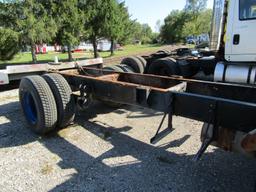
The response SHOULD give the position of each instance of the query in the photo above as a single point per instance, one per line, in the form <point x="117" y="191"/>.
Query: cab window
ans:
<point x="247" y="9"/>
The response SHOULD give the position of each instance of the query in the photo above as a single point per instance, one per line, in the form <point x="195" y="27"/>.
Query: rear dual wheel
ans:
<point x="120" y="68"/>
<point x="137" y="64"/>
<point x="38" y="104"/>
<point x="125" y="68"/>
<point x="163" y="51"/>
<point x="142" y="60"/>
<point x="114" y="68"/>
<point x="46" y="102"/>
<point x="164" y="67"/>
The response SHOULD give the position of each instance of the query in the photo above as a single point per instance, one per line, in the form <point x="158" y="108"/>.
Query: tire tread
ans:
<point x="63" y="96"/>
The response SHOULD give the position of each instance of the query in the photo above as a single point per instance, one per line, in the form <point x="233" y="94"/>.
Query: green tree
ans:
<point x="158" y="25"/>
<point x="194" y="19"/>
<point x="195" y="6"/>
<point x="69" y="20"/>
<point x="35" y="25"/>
<point x="142" y="33"/>
<point x="171" y="31"/>
<point x="118" y="25"/>
<point x="146" y="33"/>
<point x="113" y="25"/>
<point x="137" y="31"/>
<point x="199" y="25"/>
<point x="94" y="24"/>
<point x="9" y="43"/>
<point x="10" y="11"/>
<point x="155" y="38"/>
<point x="106" y="18"/>
<point x="198" y="17"/>
<point x="204" y="21"/>
<point x="128" y="32"/>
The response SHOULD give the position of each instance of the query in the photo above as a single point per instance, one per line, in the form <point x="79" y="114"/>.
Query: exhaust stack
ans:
<point x="217" y="27"/>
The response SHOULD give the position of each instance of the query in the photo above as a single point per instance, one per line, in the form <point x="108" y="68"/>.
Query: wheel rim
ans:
<point x="29" y="108"/>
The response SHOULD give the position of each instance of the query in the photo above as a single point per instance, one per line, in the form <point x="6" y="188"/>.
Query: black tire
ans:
<point x="113" y="68"/>
<point x="134" y="63"/>
<point x="38" y="104"/>
<point x="163" y="51"/>
<point x="64" y="99"/>
<point x="164" y="67"/>
<point x="183" y="51"/>
<point x="125" y="68"/>
<point x="143" y="61"/>
<point x="185" y="68"/>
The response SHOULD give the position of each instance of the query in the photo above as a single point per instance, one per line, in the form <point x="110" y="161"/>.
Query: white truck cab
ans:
<point x="233" y="37"/>
<point x="240" y="45"/>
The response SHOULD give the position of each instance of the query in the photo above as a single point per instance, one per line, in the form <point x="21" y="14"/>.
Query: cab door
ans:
<point x="242" y="36"/>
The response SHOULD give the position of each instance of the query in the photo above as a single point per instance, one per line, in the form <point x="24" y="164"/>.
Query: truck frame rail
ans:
<point x="215" y="103"/>
<point x="227" y="110"/>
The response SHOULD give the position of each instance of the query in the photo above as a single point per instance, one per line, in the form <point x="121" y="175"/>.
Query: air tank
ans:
<point x="242" y="74"/>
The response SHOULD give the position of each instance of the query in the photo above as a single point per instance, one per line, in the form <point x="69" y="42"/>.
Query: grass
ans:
<point x="127" y="50"/>
<point x="133" y="49"/>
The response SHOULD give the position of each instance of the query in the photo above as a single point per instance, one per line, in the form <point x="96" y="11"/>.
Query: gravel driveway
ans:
<point x="109" y="150"/>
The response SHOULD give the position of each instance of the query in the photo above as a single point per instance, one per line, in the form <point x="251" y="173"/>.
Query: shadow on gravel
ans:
<point x="12" y="85"/>
<point x="142" y="113"/>
<point x="151" y="169"/>
<point x="133" y="112"/>
<point x="154" y="169"/>
<point x="175" y="143"/>
<point x="12" y="131"/>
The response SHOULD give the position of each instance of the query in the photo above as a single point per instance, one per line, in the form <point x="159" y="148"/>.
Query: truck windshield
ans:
<point x="247" y="9"/>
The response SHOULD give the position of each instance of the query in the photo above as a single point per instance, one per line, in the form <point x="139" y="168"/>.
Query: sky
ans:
<point x="149" y="11"/>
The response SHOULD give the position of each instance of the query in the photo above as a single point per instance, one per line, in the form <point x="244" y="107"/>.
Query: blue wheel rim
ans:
<point x="29" y="108"/>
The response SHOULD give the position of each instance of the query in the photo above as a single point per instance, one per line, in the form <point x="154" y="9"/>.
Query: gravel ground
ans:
<point x="109" y="150"/>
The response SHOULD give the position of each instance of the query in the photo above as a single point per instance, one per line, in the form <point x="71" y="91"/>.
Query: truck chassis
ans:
<point x="221" y="106"/>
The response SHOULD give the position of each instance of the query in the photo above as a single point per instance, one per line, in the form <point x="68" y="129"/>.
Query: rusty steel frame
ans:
<point x="221" y="104"/>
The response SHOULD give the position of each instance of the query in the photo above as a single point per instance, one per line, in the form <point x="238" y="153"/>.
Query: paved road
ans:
<point x="109" y="150"/>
